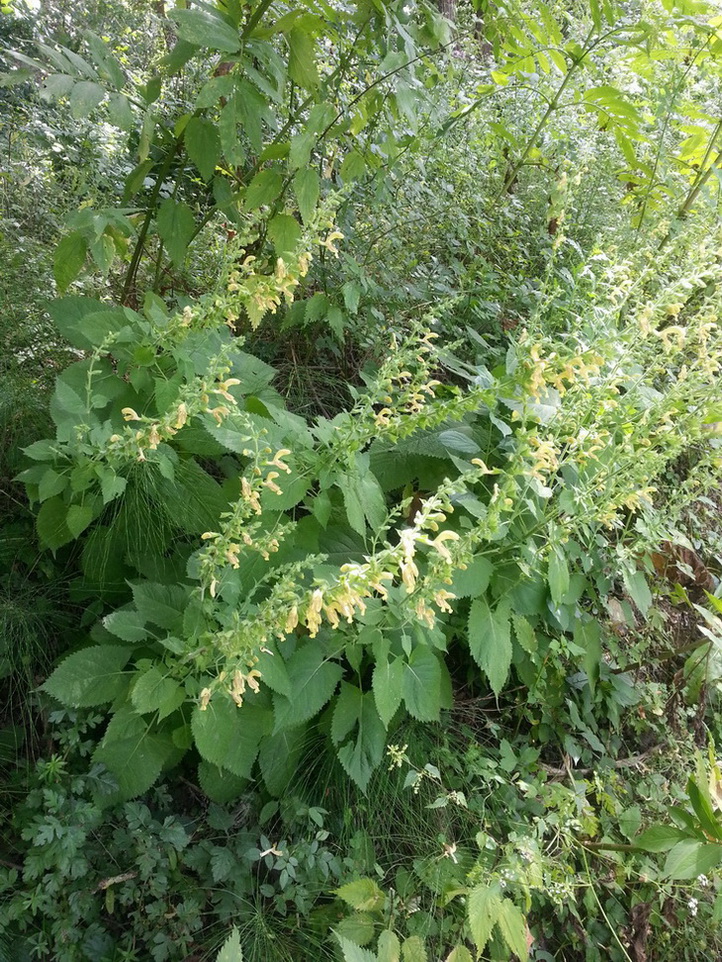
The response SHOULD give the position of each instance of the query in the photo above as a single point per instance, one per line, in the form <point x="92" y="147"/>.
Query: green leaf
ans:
<point x="204" y="29"/>
<point x="588" y="635"/>
<point x="558" y="575"/>
<point x="78" y="518"/>
<point x="51" y="524"/>
<point x="263" y="189"/>
<point x="353" y="166"/>
<point x="156" y="692"/>
<point x="231" y="951"/>
<point x="307" y="188"/>
<point x="690" y="858"/>
<point x="229" y="736"/>
<point x="175" y="225"/>
<point x="69" y="259"/>
<point x="120" y="112"/>
<point x="413" y="950"/>
<point x="512" y="926"/>
<point x="421" y="685"/>
<point x="133" y="753"/>
<point x="387" y="681"/>
<point x="362" y="754"/>
<point x="636" y="585"/>
<point x="280" y="756"/>
<point x="162" y="605"/>
<point x="483" y="906"/>
<point x="85" y="322"/>
<point x="363" y="894"/>
<point x="314" y="680"/>
<point x="51" y="484"/>
<point x="353" y="952"/>
<point x="490" y="641"/>
<point x="90" y="677"/>
<point x="127" y="624"/>
<point x="459" y="953"/>
<point x="84" y="98"/>
<point x="285" y="232"/>
<point x="220" y="785"/>
<point x="660" y="838"/>
<point x="474" y="580"/>
<point x="389" y="947"/>
<point x="203" y="145"/>
<point x="302" y="59"/>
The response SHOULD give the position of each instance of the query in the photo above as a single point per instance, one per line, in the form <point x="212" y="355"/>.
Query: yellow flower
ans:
<point x="328" y="243"/>
<point x="130" y="415"/>
<point x="205" y="698"/>
<point x="313" y="613"/>
<point x="438" y="543"/>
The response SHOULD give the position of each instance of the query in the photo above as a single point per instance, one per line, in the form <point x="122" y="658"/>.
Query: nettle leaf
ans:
<point x="421" y="684"/>
<point x="490" y="641"/>
<point x="307" y="188"/>
<point x="636" y="585"/>
<point x="69" y="259"/>
<point x="231" y="950"/>
<point x="229" y="736"/>
<point x="93" y="676"/>
<point x="203" y="29"/>
<point x="176" y="226"/>
<point x="314" y="680"/>
<point x="203" y="144"/>
<point x="513" y="928"/>
<point x="353" y="952"/>
<point x="302" y="59"/>
<point x="483" y="906"/>
<point x="220" y="785"/>
<point x="387" y="682"/>
<point x="558" y="575"/>
<point x="285" y="232"/>
<point x="460" y="953"/>
<point x="363" y="894"/>
<point x="413" y="949"/>
<point x="51" y="526"/>
<point x="389" y="947"/>
<point x="263" y="189"/>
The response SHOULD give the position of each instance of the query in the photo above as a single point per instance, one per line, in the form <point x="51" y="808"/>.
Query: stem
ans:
<point x="256" y="17"/>
<point x="143" y="233"/>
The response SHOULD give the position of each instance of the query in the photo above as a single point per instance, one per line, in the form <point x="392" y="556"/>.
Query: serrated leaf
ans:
<point x="134" y="754"/>
<point x="389" y="947"/>
<point x="78" y="518"/>
<point x="162" y="605"/>
<point x="414" y="950"/>
<point x="231" y="950"/>
<point x="69" y="259"/>
<point x="229" y="736"/>
<point x="156" y="692"/>
<point x="483" y="907"/>
<point x="363" y="894"/>
<point x="203" y="29"/>
<point x="302" y="59"/>
<point x="387" y="681"/>
<point x="558" y="575"/>
<point x="263" y="189"/>
<point x="279" y="758"/>
<point x="314" y="680"/>
<point x="474" y="580"/>
<point x="421" y="685"/>
<point x="220" y="785"/>
<point x="285" y="233"/>
<point x="513" y="928"/>
<point x="638" y="589"/>
<point x="307" y="188"/>
<point x="93" y="676"/>
<point x="353" y="952"/>
<point x="459" y="953"/>
<point x="203" y="145"/>
<point x="84" y="98"/>
<point x="490" y="641"/>
<point x="362" y="754"/>
<point x="176" y="226"/>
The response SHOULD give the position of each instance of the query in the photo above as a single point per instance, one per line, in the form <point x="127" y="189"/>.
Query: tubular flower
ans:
<point x="409" y="571"/>
<point x="313" y="612"/>
<point x="130" y="415"/>
<point x="278" y="463"/>
<point x="438" y="543"/>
